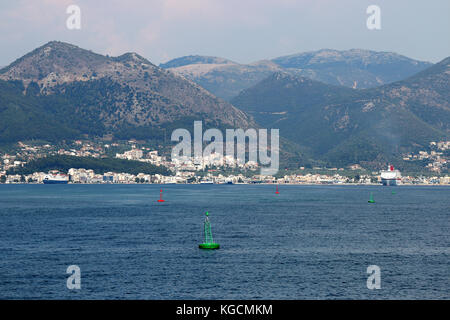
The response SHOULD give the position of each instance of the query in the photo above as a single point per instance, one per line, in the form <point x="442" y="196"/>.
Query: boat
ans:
<point x="391" y="177"/>
<point x="56" y="178"/>
<point x="206" y="182"/>
<point x="371" y="199"/>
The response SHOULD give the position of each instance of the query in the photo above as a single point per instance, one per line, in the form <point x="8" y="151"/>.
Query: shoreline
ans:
<point x="251" y="184"/>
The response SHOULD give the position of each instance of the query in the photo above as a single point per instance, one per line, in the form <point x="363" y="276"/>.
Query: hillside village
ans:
<point x="206" y="170"/>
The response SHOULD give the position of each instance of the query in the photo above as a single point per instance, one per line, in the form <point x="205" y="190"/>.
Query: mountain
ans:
<point x="342" y="125"/>
<point x="352" y="68"/>
<point x="192" y="60"/>
<point x="224" y="78"/>
<point x="88" y="93"/>
<point x="60" y="91"/>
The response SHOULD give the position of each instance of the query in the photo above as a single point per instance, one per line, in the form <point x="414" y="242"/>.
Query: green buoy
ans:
<point x="209" y="242"/>
<point x="371" y="199"/>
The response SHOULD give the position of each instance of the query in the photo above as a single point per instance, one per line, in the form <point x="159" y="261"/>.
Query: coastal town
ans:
<point x="203" y="171"/>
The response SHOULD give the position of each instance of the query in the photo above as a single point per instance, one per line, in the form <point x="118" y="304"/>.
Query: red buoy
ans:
<point x="277" y="192"/>
<point x="160" y="196"/>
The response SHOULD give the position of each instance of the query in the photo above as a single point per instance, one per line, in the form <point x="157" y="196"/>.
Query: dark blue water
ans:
<point x="309" y="242"/>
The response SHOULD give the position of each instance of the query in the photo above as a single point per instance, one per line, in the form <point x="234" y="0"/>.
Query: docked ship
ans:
<point x="56" y="178"/>
<point x="391" y="177"/>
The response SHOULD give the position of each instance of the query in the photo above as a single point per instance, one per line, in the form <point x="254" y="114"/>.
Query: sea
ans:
<point x="307" y="242"/>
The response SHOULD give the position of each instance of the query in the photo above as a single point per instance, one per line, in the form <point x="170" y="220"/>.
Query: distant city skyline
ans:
<point x="242" y="31"/>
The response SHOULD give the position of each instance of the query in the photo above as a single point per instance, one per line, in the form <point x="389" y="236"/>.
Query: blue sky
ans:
<point x="240" y="30"/>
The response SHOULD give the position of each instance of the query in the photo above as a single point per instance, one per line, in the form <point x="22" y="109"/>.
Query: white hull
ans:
<point x="391" y="177"/>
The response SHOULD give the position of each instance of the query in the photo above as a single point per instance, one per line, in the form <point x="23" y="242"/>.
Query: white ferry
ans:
<point x="56" y="178"/>
<point x="391" y="177"/>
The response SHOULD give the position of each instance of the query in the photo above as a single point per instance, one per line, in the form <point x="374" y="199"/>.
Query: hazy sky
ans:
<point x="241" y="30"/>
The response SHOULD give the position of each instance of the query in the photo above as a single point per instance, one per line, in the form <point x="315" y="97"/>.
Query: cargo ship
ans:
<point x="391" y="177"/>
<point x="56" y="178"/>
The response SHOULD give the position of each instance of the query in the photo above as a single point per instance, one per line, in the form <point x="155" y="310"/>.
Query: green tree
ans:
<point x="64" y="163"/>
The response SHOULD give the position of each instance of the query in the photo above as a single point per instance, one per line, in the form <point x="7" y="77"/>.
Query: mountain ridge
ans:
<point x="355" y="68"/>
<point x="344" y="125"/>
<point x="60" y="91"/>
<point x="112" y="93"/>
